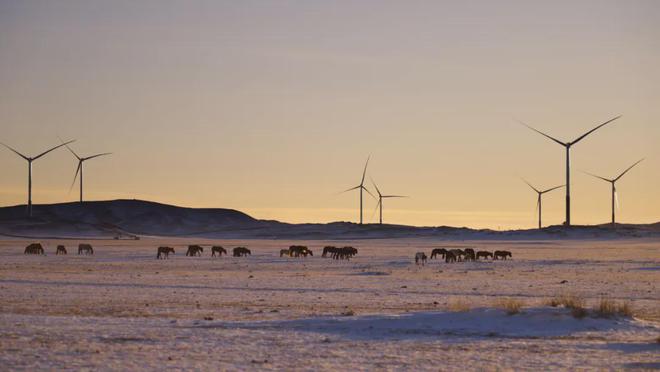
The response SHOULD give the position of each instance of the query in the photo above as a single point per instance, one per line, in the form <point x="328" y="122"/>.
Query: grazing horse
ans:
<point x="438" y="251"/>
<point x="218" y="249"/>
<point x="164" y="252"/>
<point x="501" y="254"/>
<point x="241" y="251"/>
<point x="194" y="250"/>
<point x="484" y="254"/>
<point x="450" y="256"/>
<point x="458" y="254"/>
<point x="84" y="248"/>
<point x="60" y="250"/>
<point x="344" y="253"/>
<point x="34" y="248"/>
<point x="328" y="249"/>
<point x="299" y="250"/>
<point x="420" y="257"/>
<point x="469" y="254"/>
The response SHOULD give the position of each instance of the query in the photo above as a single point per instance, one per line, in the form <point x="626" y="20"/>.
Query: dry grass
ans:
<point x="459" y="305"/>
<point x="609" y="308"/>
<point x="511" y="305"/>
<point x="574" y="302"/>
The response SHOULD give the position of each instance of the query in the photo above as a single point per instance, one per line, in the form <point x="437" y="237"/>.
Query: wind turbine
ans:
<point x="613" y="182"/>
<point x="30" y="160"/>
<point x="361" y="187"/>
<point x="380" y="200"/>
<point x="568" y="146"/>
<point x="80" y="168"/>
<point x="538" y="200"/>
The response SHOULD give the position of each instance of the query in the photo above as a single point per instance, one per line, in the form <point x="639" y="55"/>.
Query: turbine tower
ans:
<point x="80" y="168"/>
<point x="568" y="146"/>
<point x="380" y="200"/>
<point x="613" y="182"/>
<point x="361" y="187"/>
<point x="29" y="161"/>
<point x="538" y="200"/>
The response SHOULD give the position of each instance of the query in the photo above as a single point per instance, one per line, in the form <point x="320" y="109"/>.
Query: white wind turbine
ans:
<point x="613" y="182"/>
<point x="568" y="146"/>
<point x="81" y="161"/>
<point x="380" y="200"/>
<point x="361" y="187"/>
<point x="29" y="161"/>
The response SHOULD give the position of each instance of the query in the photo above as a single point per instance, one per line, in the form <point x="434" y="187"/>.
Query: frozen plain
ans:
<point x="123" y="309"/>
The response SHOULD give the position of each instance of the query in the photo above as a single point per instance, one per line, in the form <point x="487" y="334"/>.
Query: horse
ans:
<point x="501" y="254"/>
<point x="218" y="249"/>
<point x="469" y="254"/>
<point x="84" y="248"/>
<point x="285" y="252"/>
<point x="60" y="250"/>
<point x="450" y="256"/>
<point x="34" y="248"/>
<point x="420" y="257"/>
<point x="458" y="254"/>
<point x="299" y="250"/>
<point x="438" y="251"/>
<point x="241" y="251"/>
<point x="328" y="249"/>
<point x="194" y="250"/>
<point x="164" y="252"/>
<point x="484" y="254"/>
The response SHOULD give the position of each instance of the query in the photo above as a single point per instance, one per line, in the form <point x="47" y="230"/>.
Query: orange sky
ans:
<point x="273" y="107"/>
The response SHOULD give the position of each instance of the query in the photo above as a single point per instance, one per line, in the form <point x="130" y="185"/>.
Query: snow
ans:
<point x="122" y="309"/>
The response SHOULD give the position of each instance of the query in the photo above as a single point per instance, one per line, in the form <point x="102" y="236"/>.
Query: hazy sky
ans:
<point x="273" y="107"/>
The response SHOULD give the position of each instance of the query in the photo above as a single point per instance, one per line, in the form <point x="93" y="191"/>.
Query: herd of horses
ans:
<point x="343" y="253"/>
<point x="459" y="255"/>
<point x="37" y="248"/>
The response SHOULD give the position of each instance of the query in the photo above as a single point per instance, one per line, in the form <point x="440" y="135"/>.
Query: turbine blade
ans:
<point x="351" y="189"/>
<point x="97" y="155"/>
<point x="543" y="134"/>
<point x="554" y="188"/>
<point x="375" y="209"/>
<point x="368" y="192"/>
<point x="593" y="175"/>
<point x="538" y="204"/>
<point x="47" y="151"/>
<point x="364" y="173"/>
<point x="378" y="191"/>
<point x="17" y="153"/>
<point x="529" y="184"/>
<point x="76" y="175"/>
<point x="591" y="131"/>
<point x="616" y="199"/>
<point x="69" y="148"/>
<point x="629" y="168"/>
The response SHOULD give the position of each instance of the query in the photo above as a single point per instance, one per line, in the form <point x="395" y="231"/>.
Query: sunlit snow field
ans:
<point x="123" y="309"/>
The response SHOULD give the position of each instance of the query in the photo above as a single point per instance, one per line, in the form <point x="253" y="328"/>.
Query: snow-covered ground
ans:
<point x="123" y="309"/>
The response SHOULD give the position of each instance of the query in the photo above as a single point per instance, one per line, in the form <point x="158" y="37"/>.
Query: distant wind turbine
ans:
<point x="361" y="187"/>
<point x="568" y="146"/>
<point x="613" y="182"/>
<point x="30" y="160"/>
<point x="380" y="200"/>
<point x="81" y="160"/>
<point x="540" y="194"/>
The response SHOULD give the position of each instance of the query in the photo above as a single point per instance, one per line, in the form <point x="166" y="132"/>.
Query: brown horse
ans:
<point x="219" y="250"/>
<point x="60" y="250"/>
<point x="501" y="254"/>
<point x="484" y="254"/>
<point x="420" y="257"/>
<point x="164" y="252"/>
<point x="34" y="248"/>
<point x="194" y="250"/>
<point x="241" y="251"/>
<point x="84" y="248"/>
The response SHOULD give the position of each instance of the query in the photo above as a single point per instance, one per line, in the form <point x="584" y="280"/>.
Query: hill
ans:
<point x="129" y="219"/>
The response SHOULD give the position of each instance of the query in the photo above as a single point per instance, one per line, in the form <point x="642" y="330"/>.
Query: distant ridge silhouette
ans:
<point x="129" y="219"/>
